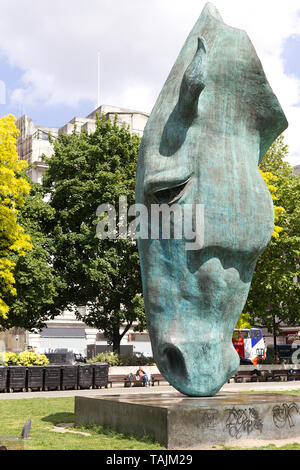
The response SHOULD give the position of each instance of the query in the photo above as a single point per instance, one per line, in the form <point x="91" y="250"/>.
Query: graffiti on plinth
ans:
<point x="283" y="415"/>
<point x="208" y="419"/>
<point x="241" y="422"/>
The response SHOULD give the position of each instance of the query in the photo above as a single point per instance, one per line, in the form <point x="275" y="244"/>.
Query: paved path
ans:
<point x="116" y="390"/>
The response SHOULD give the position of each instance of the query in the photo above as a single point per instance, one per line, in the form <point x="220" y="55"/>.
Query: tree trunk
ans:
<point x="127" y="328"/>
<point x="116" y="341"/>
<point x="275" y="339"/>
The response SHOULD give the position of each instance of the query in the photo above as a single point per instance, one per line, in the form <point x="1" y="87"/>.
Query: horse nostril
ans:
<point x="175" y="362"/>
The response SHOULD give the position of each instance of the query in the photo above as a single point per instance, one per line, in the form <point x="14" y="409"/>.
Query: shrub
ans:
<point x="24" y="358"/>
<point x="114" y="359"/>
<point x="27" y="358"/>
<point x="111" y="358"/>
<point x="8" y="359"/>
<point x="136" y="360"/>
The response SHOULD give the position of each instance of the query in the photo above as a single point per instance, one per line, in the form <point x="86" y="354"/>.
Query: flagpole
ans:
<point x="98" y="80"/>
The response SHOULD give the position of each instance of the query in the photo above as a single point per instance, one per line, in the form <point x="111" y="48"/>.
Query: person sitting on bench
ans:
<point x="141" y="375"/>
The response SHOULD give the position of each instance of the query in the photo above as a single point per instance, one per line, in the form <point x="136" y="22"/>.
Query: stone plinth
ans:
<point x="177" y="421"/>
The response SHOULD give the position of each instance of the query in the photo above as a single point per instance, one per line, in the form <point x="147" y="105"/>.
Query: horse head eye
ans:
<point x="169" y="195"/>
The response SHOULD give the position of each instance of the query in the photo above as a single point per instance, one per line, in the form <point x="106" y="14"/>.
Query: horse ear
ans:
<point x="193" y="82"/>
<point x="210" y="10"/>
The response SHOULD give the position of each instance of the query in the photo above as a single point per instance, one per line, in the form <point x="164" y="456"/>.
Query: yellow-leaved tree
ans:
<point x="13" y="187"/>
<point x="269" y="178"/>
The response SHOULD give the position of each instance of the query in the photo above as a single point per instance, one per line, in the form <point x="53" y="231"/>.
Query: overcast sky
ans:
<point x="48" y="53"/>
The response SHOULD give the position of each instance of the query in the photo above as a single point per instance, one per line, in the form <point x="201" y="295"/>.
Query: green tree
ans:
<point x="85" y="171"/>
<point x="35" y="280"/>
<point x="274" y="295"/>
<point x="274" y="160"/>
<point x="244" y="321"/>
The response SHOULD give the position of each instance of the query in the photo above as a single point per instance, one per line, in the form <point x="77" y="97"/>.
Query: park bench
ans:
<point x="116" y="379"/>
<point x="157" y="378"/>
<point x="278" y="374"/>
<point x="242" y="375"/>
<point x="123" y="378"/>
<point x="293" y="376"/>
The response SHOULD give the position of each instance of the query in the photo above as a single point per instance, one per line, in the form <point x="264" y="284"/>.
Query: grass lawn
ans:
<point x="286" y="392"/>
<point x="45" y="413"/>
<point x="269" y="447"/>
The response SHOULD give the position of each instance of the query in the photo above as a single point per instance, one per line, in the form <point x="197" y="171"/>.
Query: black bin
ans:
<point x="100" y="374"/>
<point x="69" y="377"/>
<point x="35" y="378"/>
<point x="85" y="376"/>
<point x="16" y="378"/>
<point x="52" y="377"/>
<point x="3" y="378"/>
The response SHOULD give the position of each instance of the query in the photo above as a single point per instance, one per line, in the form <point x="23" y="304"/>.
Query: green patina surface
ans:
<point x="211" y="125"/>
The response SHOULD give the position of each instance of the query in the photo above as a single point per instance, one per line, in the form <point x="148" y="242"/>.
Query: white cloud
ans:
<point x="138" y="96"/>
<point x="55" y="43"/>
